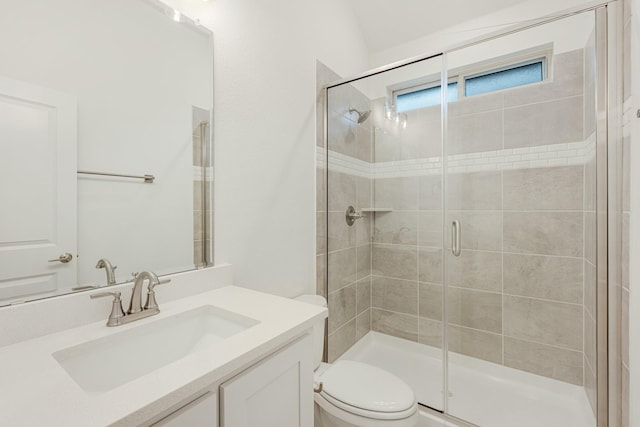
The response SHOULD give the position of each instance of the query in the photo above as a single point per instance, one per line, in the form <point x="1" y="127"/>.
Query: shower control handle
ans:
<point x="351" y="215"/>
<point x="455" y="238"/>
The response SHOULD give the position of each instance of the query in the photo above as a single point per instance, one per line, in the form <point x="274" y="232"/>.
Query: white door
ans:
<point x="277" y="392"/>
<point x="38" y="191"/>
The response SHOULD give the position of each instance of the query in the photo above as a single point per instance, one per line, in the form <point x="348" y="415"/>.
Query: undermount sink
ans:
<point x="106" y="363"/>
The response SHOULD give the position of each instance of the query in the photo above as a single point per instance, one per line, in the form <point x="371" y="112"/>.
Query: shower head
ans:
<point x="362" y="115"/>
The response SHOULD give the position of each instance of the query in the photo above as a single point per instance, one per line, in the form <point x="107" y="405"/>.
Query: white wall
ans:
<point x="136" y="75"/>
<point x="264" y="130"/>
<point x="432" y="43"/>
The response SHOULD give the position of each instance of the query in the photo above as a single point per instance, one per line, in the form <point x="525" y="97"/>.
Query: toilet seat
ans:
<point x="367" y="391"/>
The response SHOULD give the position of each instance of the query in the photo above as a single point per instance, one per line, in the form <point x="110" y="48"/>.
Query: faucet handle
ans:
<point x="151" y="294"/>
<point x="117" y="313"/>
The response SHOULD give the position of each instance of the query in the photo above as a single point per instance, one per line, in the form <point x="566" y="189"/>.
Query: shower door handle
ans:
<point x="455" y="238"/>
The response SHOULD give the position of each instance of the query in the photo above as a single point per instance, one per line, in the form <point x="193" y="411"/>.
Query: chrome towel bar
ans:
<point x="147" y="178"/>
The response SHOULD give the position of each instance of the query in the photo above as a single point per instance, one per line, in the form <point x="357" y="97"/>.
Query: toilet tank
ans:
<point x="318" y="328"/>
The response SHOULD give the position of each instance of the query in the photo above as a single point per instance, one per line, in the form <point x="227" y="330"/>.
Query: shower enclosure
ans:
<point x="463" y="223"/>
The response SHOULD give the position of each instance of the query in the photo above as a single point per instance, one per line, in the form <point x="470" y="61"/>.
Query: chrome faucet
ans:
<point x="136" y="310"/>
<point x="109" y="268"/>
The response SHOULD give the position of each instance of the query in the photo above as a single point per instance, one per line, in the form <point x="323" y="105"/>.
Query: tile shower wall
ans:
<point x="202" y="182"/>
<point x="349" y="248"/>
<point x="516" y="183"/>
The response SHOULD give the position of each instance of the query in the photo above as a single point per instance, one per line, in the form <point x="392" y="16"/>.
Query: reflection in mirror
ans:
<point x="105" y="144"/>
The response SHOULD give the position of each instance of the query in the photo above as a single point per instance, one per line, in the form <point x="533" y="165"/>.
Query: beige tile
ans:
<point x="363" y="228"/>
<point x="475" y="309"/>
<point x="556" y="188"/>
<point x="363" y="295"/>
<point x="544" y="233"/>
<point x="476" y="270"/>
<point x="430" y="301"/>
<point x="430" y="193"/>
<point x="321" y="275"/>
<point x="342" y="191"/>
<point x="590" y="286"/>
<point x="396" y="193"/>
<point x="364" y="190"/>
<point x="624" y="251"/>
<point x="540" y="359"/>
<point x="342" y="132"/>
<point x="395" y="261"/>
<point x="321" y="195"/>
<point x="475" y="191"/>
<point x="590" y="386"/>
<point x="430" y="228"/>
<point x="363" y="254"/>
<point x="476" y="104"/>
<point x="552" y="122"/>
<point x="546" y="277"/>
<point x="341" y="340"/>
<point x="567" y="81"/>
<point x="626" y="173"/>
<point x="624" y="327"/>
<point x="479" y="230"/>
<point x="430" y="265"/>
<point x="482" y="345"/>
<point x="546" y="322"/>
<point x="396" y="295"/>
<point x="475" y="132"/>
<point x="364" y="142"/>
<point x="590" y="350"/>
<point x="395" y="324"/>
<point x="342" y="307"/>
<point x="321" y="232"/>
<point x="590" y="236"/>
<point x="398" y="227"/>
<point x="590" y="185"/>
<point x="363" y="324"/>
<point x="197" y="195"/>
<point x="341" y="235"/>
<point x="341" y="269"/>
<point x="422" y="136"/>
<point x="624" y="397"/>
<point x="430" y="333"/>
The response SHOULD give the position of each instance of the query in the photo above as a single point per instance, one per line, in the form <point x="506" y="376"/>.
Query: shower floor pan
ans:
<point x="483" y="393"/>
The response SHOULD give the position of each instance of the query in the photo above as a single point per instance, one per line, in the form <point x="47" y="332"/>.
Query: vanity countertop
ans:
<point x="36" y="391"/>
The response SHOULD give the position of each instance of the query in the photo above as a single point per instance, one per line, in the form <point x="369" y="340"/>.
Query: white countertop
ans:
<point x="36" y="391"/>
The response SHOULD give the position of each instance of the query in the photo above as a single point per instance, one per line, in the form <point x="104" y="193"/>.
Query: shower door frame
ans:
<point x="608" y="27"/>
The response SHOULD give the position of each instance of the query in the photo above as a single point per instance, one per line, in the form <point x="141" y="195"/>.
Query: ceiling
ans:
<point x="387" y="23"/>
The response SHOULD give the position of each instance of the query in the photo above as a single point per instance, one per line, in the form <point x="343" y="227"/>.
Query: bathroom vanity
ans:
<point x="223" y="357"/>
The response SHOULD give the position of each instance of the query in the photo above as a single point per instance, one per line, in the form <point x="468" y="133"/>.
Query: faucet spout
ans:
<point x="135" y="305"/>
<point x="109" y="268"/>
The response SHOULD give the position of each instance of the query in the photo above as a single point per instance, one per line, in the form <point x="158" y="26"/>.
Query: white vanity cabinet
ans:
<point x="202" y="412"/>
<point x="277" y="391"/>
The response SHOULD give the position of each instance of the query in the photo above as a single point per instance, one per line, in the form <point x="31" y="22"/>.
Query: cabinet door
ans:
<point x="202" y="412"/>
<point x="277" y="392"/>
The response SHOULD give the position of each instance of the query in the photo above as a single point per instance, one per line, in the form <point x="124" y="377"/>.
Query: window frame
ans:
<point x="460" y="75"/>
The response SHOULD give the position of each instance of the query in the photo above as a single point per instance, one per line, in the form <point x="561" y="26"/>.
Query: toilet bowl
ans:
<point x="355" y="394"/>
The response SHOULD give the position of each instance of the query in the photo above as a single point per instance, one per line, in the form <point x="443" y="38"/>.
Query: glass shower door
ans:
<point x="520" y="228"/>
<point x="383" y="221"/>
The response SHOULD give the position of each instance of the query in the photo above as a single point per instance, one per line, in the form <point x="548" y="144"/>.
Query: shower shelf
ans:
<point x="379" y="210"/>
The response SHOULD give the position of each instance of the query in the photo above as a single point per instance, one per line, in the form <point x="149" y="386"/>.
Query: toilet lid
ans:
<point x="366" y="387"/>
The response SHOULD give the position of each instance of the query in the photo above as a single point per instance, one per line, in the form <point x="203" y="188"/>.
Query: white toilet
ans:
<point x="356" y="394"/>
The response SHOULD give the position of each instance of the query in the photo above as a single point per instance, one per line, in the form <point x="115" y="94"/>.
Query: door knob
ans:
<point x="64" y="258"/>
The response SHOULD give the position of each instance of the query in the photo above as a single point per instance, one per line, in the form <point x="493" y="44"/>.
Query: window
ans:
<point x="502" y="73"/>
<point x="426" y="97"/>
<point x="504" y="79"/>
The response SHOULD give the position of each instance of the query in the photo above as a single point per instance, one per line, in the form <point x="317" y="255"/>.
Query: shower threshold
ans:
<point x="481" y="392"/>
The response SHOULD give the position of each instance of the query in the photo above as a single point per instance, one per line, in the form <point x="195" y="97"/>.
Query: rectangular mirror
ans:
<point x="105" y="144"/>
